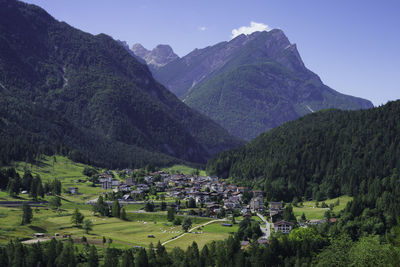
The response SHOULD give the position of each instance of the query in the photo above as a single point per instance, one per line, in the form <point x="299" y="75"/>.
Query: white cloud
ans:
<point x="202" y="28"/>
<point x="254" y="27"/>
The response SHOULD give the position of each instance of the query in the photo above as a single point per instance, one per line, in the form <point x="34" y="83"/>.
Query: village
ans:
<point x="194" y="195"/>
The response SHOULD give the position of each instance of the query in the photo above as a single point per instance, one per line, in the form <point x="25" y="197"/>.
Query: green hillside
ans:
<point x="325" y="154"/>
<point x="70" y="92"/>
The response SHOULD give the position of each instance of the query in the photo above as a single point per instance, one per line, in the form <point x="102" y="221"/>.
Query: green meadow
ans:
<point x="311" y="211"/>
<point x="133" y="232"/>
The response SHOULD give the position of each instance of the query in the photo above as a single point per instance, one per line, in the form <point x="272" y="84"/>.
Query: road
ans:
<point x="204" y="224"/>
<point x="267" y="229"/>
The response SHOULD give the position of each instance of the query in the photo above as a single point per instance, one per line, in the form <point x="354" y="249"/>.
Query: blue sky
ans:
<point x="352" y="45"/>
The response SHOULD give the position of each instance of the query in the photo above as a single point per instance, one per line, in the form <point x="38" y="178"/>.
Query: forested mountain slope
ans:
<point x="321" y="155"/>
<point x="94" y="93"/>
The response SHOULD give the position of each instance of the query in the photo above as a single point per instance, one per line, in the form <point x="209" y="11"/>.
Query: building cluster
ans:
<point x="206" y="191"/>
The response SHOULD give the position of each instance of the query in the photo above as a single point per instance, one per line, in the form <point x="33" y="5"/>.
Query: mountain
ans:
<point x="160" y="56"/>
<point x="251" y="84"/>
<point x="321" y="155"/>
<point x="66" y="90"/>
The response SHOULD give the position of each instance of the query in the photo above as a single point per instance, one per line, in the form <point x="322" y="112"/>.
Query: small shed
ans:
<point x="38" y="235"/>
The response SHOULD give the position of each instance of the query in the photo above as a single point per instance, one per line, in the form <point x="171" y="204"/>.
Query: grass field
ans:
<point x="183" y="169"/>
<point x="312" y="212"/>
<point x="213" y="231"/>
<point x="123" y="233"/>
<point x="62" y="168"/>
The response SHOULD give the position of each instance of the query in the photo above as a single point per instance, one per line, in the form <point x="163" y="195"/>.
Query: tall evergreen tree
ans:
<point x="93" y="258"/>
<point x="116" y="208"/>
<point x="141" y="259"/>
<point x="77" y="217"/>
<point x="27" y="214"/>
<point x="127" y="259"/>
<point x="123" y="214"/>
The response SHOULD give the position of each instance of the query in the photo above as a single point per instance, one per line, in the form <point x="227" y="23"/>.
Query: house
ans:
<point x="160" y="186"/>
<point x="124" y="188"/>
<point x="241" y="189"/>
<point x="143" y="187"/>
<point x="126" y="197"/>
<point x="73" y="190"/>
<point x="106" y="184"/>
<point x="137" y="192"/>
<point x="257" y="203"/>
<point x="130" y="181"/>
<point x="244" y="244"/>
<point x="275" y="208"/>
<point x="114" y="182"/>
<point x="276" y="205"/>
<point x="283" y="227"/>
<point x="149" y="179"/>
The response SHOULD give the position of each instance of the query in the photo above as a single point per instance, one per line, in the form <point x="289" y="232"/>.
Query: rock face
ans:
<point x="160" y="56"/>
<point x="251" y="84"/>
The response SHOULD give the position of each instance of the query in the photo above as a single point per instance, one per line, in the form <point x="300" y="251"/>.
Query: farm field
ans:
<point x="213" y="231"/>
<point x="123" y="233"/>
<point x="312" y="212"/>
<point x="133" y="232"/>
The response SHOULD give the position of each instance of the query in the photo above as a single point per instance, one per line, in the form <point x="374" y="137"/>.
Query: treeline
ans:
<point x="322" y="155"/>
<point x="11" y="181"/>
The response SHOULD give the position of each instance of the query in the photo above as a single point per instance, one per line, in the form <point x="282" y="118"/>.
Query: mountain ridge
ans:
<point x="274" y="84"/>
<point x="97" y="86"/>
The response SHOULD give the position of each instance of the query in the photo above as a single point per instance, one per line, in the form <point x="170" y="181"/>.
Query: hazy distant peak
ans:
<point x="161" y="55"/>
<point x="139" y="50"/>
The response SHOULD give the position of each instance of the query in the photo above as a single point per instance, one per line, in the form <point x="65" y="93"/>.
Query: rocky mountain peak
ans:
<point x="139" y="50"/>
<point x="160" y="56"/>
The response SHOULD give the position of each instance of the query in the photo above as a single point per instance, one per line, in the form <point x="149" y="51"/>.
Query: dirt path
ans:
<point x="204" y="224"/>
<point x="36" y="240"/>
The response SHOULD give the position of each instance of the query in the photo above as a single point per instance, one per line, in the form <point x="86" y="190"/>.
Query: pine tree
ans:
<point x="115" y="212"/>
<point x="123" y="214"/>
<point x="87" y="225"/>
<point x="40" y="190"/>
<point x="26" y="180"/>
<point x="93" y="258"/>
<point x="111" y="258"/>
<point x="33" y="193"/>
<point x="18" y="259"/>
<point x="141" y="259"/>
<point x="127" y="259"/>
<point x="171" y="214"/>
<point x="67" y="256"/>
<point x="51" y="252"/>
<point x="26" y="214"/>
<point x="187" y="223"/>
<point x="77" y="217"/>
